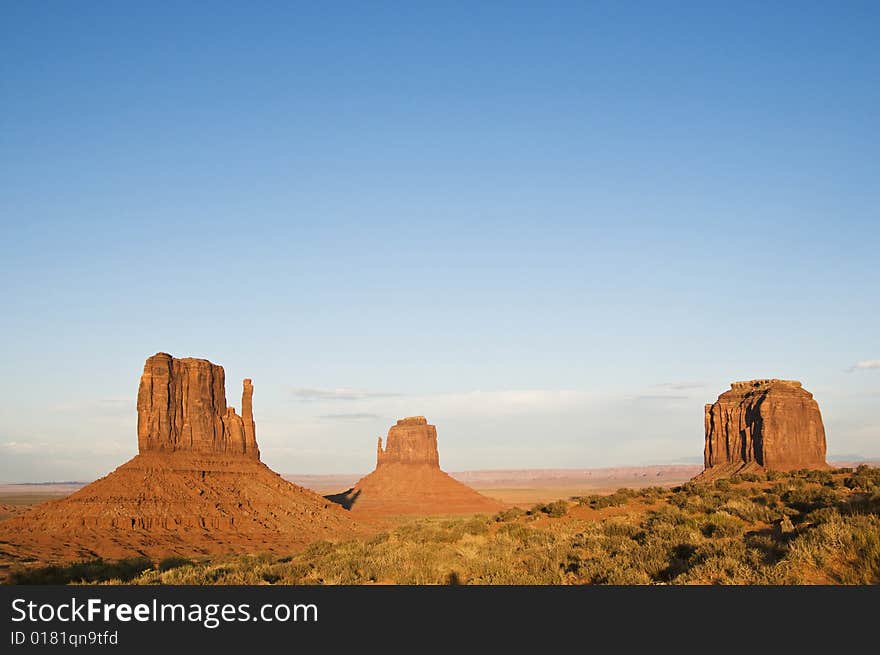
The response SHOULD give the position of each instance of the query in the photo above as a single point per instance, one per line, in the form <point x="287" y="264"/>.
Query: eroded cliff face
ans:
<point x="410" y="441"/>
<point x="182" y="407"/>
<point x="763" y="424"/>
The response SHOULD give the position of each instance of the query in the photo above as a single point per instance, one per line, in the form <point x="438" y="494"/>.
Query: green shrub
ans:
<point x="851" y="542"/>
<point x="556" y="509"/>
<point x="619" y="528"/>
<point x="822" y="515"/>
<point x="809" y="499"/>
<point x="652" y="493"/>
<point x="821" y="477"/>
<point x="767" y="499"/>
<point x="173" y="562"/>
<point x="865" y="478"/>
<point x="740" y="478"/>
<point x="516" y="531"/>
<point x="749" y="510"/>
<point x="722" y="524"/>
<point x="617" y="499"/>
<point x="668" y="515"/>
<point x="97" y="570"/>
<point x="509" y="514"/>
<point x="695" y="488"/>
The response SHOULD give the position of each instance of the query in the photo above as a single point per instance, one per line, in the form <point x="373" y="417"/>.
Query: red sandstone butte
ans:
<point x="763" y="425"/>
<point x="410" y="441"/>
<point x="182" y="407"/>
<point x="197" y="486"/>
<point x="408" y="479"/>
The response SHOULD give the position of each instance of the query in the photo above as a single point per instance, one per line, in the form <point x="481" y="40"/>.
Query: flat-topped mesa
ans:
<point x="763" y="424"/>
<point x="182" y="408"/>
<point x="410" y="441"/>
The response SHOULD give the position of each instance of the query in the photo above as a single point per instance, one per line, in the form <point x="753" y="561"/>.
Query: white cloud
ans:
<point x="681" y="386"/>
<point x="75" y="448"/>
<point x="20" y="447"/>
<point x="351" y="416"/>
<point x="103" y="407"/>
<point x="338" y="394"/>
<point x="865" y="365"/>
<point x="371" y="404"/>
<point x="492" y="403"/>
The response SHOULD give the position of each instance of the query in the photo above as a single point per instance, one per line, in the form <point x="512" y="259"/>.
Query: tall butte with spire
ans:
<point x="182" y="408"/>
<point x="197" y="485"/>
<point x="408" y="478"/>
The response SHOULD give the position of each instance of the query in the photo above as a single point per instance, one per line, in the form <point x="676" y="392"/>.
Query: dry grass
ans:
<point x="806" y="527"/>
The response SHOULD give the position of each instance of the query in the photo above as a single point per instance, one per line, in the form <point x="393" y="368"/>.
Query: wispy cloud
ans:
<point x="106" y="407"/>
<point x="67" y="449"/>
<point x="307" y="395"/>
<point x="354" y="416"/>
<point x="680" y="386"/>
<point x="372" y="404"/>
<point x="19" y="447"/>
<point x="488" y="403"/>
<point x="865" y="365"/>
<point x="661" y="397"/>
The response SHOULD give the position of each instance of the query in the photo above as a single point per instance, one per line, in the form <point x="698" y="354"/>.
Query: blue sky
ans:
<point x="556" y="229"/>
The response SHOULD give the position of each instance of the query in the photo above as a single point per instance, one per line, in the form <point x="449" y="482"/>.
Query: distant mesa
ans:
<point x="408" y="479"/>
<point x="196" y="487"/>
<point x="762" y="425"/>
<point x="410" y="441"/>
